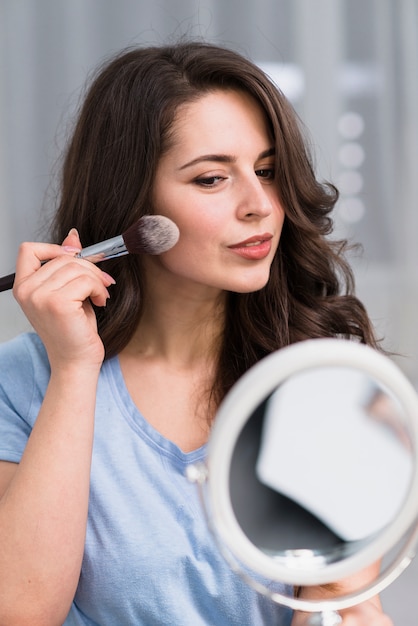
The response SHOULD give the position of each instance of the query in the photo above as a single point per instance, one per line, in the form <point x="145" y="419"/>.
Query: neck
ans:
<point x="181" y="330"/>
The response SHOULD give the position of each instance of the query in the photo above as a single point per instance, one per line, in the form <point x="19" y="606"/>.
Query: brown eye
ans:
<point x="208" y="181"/>
<point x="265" y="173"/>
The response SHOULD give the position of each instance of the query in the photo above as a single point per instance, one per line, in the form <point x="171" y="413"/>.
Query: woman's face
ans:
<point x="216" y="182"/>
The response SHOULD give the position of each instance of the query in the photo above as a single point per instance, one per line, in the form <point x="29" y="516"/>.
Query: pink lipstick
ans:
<point x="254" y="248"/>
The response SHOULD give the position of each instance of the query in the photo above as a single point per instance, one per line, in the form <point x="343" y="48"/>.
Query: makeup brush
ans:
<point x="151" y="234"/>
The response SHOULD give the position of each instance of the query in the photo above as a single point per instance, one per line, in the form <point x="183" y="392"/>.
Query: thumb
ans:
<point x="72" y="240"/>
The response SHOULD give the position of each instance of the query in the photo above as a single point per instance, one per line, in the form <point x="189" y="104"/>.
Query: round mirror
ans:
<point x="312" y="473"/>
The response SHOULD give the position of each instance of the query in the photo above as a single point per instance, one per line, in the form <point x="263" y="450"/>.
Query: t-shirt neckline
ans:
<point x="139" y="424"/>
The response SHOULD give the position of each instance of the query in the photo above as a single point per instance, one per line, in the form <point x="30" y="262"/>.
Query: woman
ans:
<point x="104" y="407"/>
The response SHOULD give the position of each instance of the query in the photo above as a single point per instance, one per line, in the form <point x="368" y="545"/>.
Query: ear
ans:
<point x="72" y="239"/>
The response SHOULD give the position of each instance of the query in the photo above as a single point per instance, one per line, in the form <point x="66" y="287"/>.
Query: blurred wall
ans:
<point x="350" y="68"/>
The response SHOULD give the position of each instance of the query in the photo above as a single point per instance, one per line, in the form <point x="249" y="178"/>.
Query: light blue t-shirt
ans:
<point x="149" y="558"/>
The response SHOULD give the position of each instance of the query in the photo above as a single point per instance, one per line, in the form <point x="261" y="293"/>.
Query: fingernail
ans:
<point x="71" y="249"/>
<point x="110" y="278"/>
<point x="73" y="231"/>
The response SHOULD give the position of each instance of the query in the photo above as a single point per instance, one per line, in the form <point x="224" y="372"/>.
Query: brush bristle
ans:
<point x="151" y="234"/>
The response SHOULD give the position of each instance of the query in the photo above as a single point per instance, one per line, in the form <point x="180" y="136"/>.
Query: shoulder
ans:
<point x="23" y="364"/>
<point x="22" y="350"/>
<point x="24" y="376"/>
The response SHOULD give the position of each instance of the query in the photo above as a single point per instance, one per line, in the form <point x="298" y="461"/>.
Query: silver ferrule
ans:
<point x="109" y="249"/>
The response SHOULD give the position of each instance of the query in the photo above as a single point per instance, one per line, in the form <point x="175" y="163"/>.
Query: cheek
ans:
<point x="199" y="226"/>
<point x="195" y="244"/>
<point x="198" y="249"/>
<point x="191" y="211"/>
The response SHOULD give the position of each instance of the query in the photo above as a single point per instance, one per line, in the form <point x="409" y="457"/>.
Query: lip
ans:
<point x="254" y="248"/>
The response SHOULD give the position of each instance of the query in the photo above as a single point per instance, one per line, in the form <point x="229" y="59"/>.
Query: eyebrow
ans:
<point x="224" y="158"/>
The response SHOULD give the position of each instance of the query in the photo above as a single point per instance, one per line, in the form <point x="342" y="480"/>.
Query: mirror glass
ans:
<point x="321" y="467"/>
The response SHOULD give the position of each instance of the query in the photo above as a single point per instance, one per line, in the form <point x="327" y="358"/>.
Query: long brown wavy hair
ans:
<point x="124" y="127"/>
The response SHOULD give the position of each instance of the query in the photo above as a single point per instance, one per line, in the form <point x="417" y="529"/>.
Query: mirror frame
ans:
<point x="252" y="388"/>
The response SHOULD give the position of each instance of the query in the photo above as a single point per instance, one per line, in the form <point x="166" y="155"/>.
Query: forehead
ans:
<point x="220" y="115"/>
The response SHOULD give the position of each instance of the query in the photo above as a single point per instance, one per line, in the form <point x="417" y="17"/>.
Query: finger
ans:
<point x="81" y="288"/>
<point x="57" y="273"/>
<point x="32" y="255"/>
<point x="63" y="294"/>
<point x="64" y="268"/>
<point x="72" y="240"/>
<point x="53" y="277"/>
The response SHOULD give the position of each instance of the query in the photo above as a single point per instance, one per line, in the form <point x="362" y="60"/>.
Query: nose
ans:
<point x="256" y="199"/>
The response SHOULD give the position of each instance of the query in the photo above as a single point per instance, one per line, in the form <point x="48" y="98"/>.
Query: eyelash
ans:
<point x="211" y="181"/>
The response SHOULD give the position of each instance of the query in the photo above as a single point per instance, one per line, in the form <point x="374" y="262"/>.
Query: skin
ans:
<point x="218" y="201"/>
<point x="217" y="185"/>
<point x="215" y="204"/>
<point x="368" y="613"/>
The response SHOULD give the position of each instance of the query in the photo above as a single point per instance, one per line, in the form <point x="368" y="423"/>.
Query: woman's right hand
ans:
<point x="57" y="298"/>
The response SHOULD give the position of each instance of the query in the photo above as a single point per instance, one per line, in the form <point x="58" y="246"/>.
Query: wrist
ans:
<point x="77" y="374"/>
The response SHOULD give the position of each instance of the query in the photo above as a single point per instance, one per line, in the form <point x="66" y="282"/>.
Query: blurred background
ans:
<point x="350" y="68"/>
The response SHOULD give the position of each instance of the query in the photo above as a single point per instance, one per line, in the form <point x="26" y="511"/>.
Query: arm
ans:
<point x="44" y="499"/>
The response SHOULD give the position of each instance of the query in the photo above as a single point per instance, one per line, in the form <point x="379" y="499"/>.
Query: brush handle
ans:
<point x="109" y="249"/>
<point x="6" y="282"/>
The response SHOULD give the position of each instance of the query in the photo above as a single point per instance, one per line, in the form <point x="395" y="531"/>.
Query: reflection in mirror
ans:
<point x="321" y="467"/>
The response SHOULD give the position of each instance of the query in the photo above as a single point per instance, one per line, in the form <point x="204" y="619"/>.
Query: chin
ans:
<point x="250" y="286"/>
<point x="242" y="291"/>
